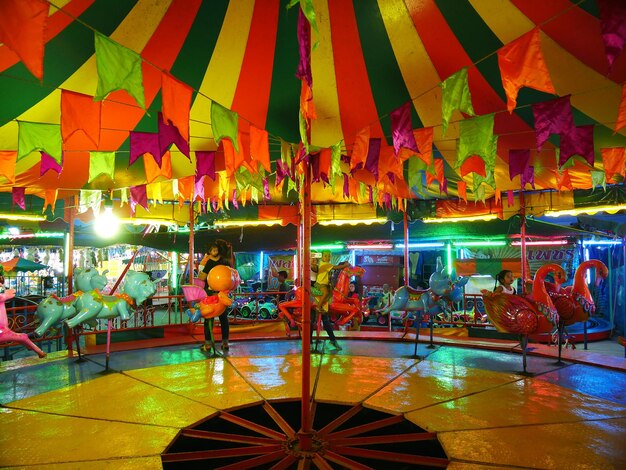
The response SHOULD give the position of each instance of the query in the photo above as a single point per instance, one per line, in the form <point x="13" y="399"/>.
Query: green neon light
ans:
<point x="174" y="277"/>
<point x="328" y="247"/>
<point x="8" y="236"/>
<point x="449" y="259"/>
<point x="481" y="243"/>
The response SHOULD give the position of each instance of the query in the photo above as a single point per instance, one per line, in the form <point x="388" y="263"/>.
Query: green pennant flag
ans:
<point x="455" y="95"/>
<point x="477" y="138"/>
<point x="335" y="164"/>
<point x="101" y="163"/>
<point x="254" y="195"/>
<point x="479" y="192"/>
<point x="598" y="178"/>
<point x="119" y="68"/>
<point x="487" y="179"/>
<point x="37" y="136"/>
<point x="225" y="124"/>
<point x="303" y="132"/>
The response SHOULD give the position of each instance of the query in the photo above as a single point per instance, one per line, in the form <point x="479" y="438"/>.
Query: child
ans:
<point x="323" y="279"/>
<point x="505" y="278"/>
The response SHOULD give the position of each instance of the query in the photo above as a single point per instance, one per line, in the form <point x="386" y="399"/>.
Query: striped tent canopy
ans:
<point x="466" y="100"/>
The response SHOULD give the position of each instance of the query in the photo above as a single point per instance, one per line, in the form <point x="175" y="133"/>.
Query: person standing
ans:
<point x="217" y="253"/>
<point x="283" y="288"/>
<point x="323" y="280"/>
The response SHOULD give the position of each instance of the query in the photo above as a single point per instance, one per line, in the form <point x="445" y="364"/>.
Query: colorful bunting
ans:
<point x="7" y="165"/>
<point x="563" y="181"/>
<point x="360" y="149"/>
<point x="519" y="160"/>
<point x="598" y="178"/>
<point x="304" y="47"/>
<point x="168" y="135"/>
<point x="199" y="189"/>
<point x="119" y="68"/>
<point x="89" y="199"/>
<point x="176" y="104"/>
<point x="455" y="95"/>
<point x="462" y="190"/>
<point x="401" y="129"/>
<point x="522" y="65"/>
<point x="22" y="30"/>
<point x="138" y="195"/>
<point x="224" y="124"/>
<point x="50" y="199"/>
<point x="233" y="158"/>
<point x="153" y="170"/>
<point x="49" y="163"/>
<point x="578" y="141"/>
<point x="144" y="142"/>
<point x="185" y="189"/>
<point x="613" y="161"/>
<point x="476" y="138"/>
<point x="552" y="117"/>
<point x="424" y="140"/>
<point x="205" y="164"/>
<point x="613" y="24"/>
<point x="18" y="197"/>
<point x="510" y="198"/>
<point x="36" y="136"/>
<point x="528" y="177"/>
<point x="101" y="163"/>
<point x="80" y="113"/>
<point x="621" y="113"/>
<point x="259" y="147"/>
<point x="373" y="155"/>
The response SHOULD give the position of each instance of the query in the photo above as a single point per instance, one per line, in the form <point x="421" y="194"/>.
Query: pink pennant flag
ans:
<point x="142" y="142"/>
<point x="234" y="200"/>
<point x="519" y="159"/>
<point x="373" y="155"/>
<point x="346" y="186"/>
<point x="266" y="189"/>
<point x="401" y="130"/>
<point x="49" y="163"/>
<point x="552" y="117"/>
<point x="621" y="113"/>
<point x="199" y="188"/>
<point x="168" y="135"/>
<point x="304" y="47"/>
<point x="205" y="164"/>
<point x="138" y="195"/>
<point x="613" y="24"/>
<point x="510" y="198"/>
<point x="528" y="177"/>
<point x="80" y="113"/>
<point x="578" y="141"/>
<point x="19" y="197"/>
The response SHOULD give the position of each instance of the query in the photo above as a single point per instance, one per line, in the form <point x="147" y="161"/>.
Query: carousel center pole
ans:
<point x="406" y="250"/>
<point x="522" y="213"/>
<point x="191" y="241"/>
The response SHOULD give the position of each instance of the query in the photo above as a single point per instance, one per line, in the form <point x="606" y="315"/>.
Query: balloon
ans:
<point x="223" y="278"/>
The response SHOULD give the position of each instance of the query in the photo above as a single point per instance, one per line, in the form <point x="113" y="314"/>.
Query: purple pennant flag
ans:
<point x="18" y="195"/>
<point x="199" y="188"/>
<point x="235" y="203"/>
<point x="214" y="204"/>
<point x="205" y="164"/>
<point x="304" y="46"/>
<point x="138" y="195"/>
<point x="314" y="162"/>
<point x="528" y="177"/>
<point x="49" y="163"/>
<point x="579" y="141"/>
<point x="613" y="24"/>
<point x="142" y="142"/>
<point x="168" y="135"/>
<point x="519" y="159"/>
<point x="371" y="197"/>
<point x="373" y="154"/>
<point x="266" y="189"/>
<point x="401" y="130"/>
<point x="443" y="187"/>
<point x="281" y="171"/>
<point x="346" y="186"/>
<point x="552" y="117"/>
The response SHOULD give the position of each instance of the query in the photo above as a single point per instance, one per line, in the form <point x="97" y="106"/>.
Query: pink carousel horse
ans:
<point x="7" y="335"/>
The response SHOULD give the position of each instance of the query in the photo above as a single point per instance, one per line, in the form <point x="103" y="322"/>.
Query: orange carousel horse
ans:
<point x="341" y="306"/>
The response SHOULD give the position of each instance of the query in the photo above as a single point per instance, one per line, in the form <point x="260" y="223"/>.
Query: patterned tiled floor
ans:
<point x="58" y="413"/>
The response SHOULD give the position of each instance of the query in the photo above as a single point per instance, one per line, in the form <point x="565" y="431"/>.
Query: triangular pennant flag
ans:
<point x="176" y="104"/>
<point x="455" y="95"/>
<point x="598" y="178"/>
<point x="528" y="177"/>
<point x="119" y="68"/>
<point x="224" y="124"/>
<point x="142" y="142"/>
<point x="50" y="199"/>
<point x="613" y="161"/>
<point x="80" y="113"/>
<point x="552" y="117"/>
<point x="401" y="129"/>
<point x="519" y="160"/>
<point x="621" y="113"/>
<point x="304" y="47"/>
<point x="473" y="164"/>
<point x="156" y="190"/>
<point x="439" y="172"/>
<point x="185" y="189"/>
<point x="373" y="155"/>
<point x="168" y="135"/>
<point x="19" y="197"/>
<point x="476" y="138"/>
<point x="233" y="158"/>
<point x="7" y="165"/>
<point x="522" y="65"/>
<point x="49" y="163"/>
<point x="307" y="106"/>
<point x="497" y="196"/>
<point x="510" y="198"/>
<point x="199" y="189"/>
<point x="563" y="181"/>
<point x="101" y="163"/>
<point x="124" y="196"/>
<point x="22" y="30"/>
<point x="36" y="136"/>
<point x="205" y="164"/>
<point x="89" y="199"/>
<point x="138" y="195"/>
<point x="578" y="141"/>
<point x="153" y="170"/>
<point x="613" y="24"/>
<point x="335" y="163"/>
<point x="259" y="147"/>
<point x="360" y="149"/>
<point x="462" y="190"/>
<point x="424" y="139"/>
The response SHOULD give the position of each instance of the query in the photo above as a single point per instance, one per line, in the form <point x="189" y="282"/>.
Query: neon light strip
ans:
<point x="479" y="243"/>
<point x="248" y="223"/>
<point x="382" y="246"/>
<point x="7" y="236"/>
<point x="473" y="218"/>
<point x="541" y="243"/>
<point x="587" y="210"/>
<point x="29" y="217"/>
<point x="335" y="246"/>
<point x="601" y="242"/>
<point x="420" y="245"/>
<point x="379" y="220"/>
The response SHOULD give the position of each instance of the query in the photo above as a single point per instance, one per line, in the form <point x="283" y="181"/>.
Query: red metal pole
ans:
<point x="522" y="212"/>
<point x="192" y="219"/>
<point x="406" y="250"/>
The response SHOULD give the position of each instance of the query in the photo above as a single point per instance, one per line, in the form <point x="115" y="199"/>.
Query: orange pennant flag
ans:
<point x="424" y="140"/>
<point x="232" y="158"/>
<point x="50" y="199"/>
<point x="152" y="169"/>
<point x="80" y="113"/>
<point x="259" y="147"/>
<point x="462" y="190"/>
<point x="388" y="163"/>
<point x="498" y="196"/>
<point x="613" y="160"/>
<point x="307" y="107"/>
<point x="621" y="113"/>
<point x="176" y="103"/>
<point x="22" y="30"/>
<point x="325" y="157"/>
<point x="439" y="170"/>
<point x="563" y="181"/>
<point x="473" y="164"/>
<point x="522" y="64"/>
<point x="7" y="164"/>
<point x="185" y="189"/>
<point x="360" y="149"/>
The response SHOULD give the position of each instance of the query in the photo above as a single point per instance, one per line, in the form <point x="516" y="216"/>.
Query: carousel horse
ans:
<point x="222" y="279"/>
<point x="575" y="303"/>
<point x="6" y="334"/>
<point x="341" y="306"/>
<point x="443" y="291"/>
<point x="535" y="314"/>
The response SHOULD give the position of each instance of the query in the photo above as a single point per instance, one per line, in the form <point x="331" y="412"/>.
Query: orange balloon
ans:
<point x="223" y="278"/>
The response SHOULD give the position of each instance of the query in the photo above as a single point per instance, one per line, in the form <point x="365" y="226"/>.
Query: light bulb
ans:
<point x="106" y="224"/>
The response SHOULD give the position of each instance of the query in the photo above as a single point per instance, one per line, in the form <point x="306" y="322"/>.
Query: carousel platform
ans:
<point x="165" y="406"/>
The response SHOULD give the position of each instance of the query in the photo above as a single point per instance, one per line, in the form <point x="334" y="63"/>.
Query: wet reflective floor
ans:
<point x="60" y="413"/>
